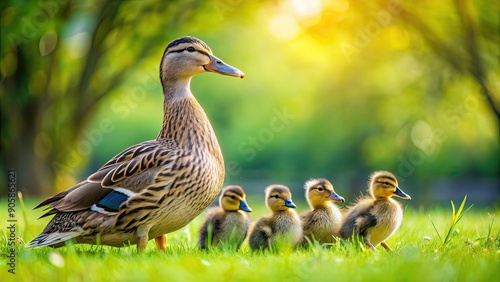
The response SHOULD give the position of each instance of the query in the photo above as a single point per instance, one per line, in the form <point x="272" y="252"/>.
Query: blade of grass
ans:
<point x="461" y="208"/>
<point x="437" y="232"/>
<point x="456" y="218"/>
<point x="452" y="212"/>
<point x="23" y="211"/>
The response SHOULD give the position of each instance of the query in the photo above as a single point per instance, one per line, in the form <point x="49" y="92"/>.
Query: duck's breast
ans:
<point x="188" y="196"/>
<point x="287" y="226"/>
<point x="233" y="228"/>
<point x="389" y="215"/>
<point x="324" y="223"/>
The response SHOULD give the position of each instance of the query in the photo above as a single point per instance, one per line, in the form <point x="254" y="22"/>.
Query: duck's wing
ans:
<point x="260" y="235"/>
<point x="364" y="221"/>
<point x="135" y="160"/>
<point x="126" y="174"/>
<point x="359" y="219"/>
<point x="79" y="197"/>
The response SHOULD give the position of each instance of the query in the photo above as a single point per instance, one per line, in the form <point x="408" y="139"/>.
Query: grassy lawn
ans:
<point x="472" y="254"/>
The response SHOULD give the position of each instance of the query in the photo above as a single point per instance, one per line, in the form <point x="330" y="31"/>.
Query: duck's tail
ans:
<point x="55" y="239"/>
<point x="62" y="227"/>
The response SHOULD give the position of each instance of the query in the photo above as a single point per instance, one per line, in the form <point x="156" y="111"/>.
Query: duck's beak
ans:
<point x="399" y="193"/>
<point x="335" y="197"/>
<point x="289" y="203"/>
<point x="244" y="206"/>
<point x="218" y="66"/>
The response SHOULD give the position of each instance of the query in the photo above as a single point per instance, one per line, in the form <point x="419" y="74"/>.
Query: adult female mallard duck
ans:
<point x="322" y="222"/>
<point x="154" y="187"/>
<point x="226" y="225"/>
<point x="281" y="230"/>
<point x="376" y="217"/>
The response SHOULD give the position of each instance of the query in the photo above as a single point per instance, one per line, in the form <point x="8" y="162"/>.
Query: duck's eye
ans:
<point x="275" y="196"/>
<point x="190" y="49"/>
<point x="233" y="197"/>
<point x="320" y="189"/>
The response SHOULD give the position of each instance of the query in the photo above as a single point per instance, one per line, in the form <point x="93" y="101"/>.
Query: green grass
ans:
<point x="472" y="253"/>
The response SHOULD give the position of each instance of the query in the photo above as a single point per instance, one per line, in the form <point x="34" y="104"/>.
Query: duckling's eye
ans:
<point x="275" y="196"/>
<point x="320" y="189"/>
<point x="233" y="197"/>
<point x="190" y="49"/>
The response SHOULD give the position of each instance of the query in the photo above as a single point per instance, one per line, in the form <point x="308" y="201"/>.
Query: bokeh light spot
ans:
<point x="307" y="8"/>
<point x="284" y="26"/>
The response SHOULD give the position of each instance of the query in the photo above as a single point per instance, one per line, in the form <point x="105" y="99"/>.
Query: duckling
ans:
<point x="376" y="217"/>
<point x="227" y="224"/>
<point x="157" y="186"/>
<point x="283" y="228"/>
<point x="322" y="222"/>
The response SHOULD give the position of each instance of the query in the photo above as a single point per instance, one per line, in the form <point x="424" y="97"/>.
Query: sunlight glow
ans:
<point x="307" y="8"/>
<point x="284" y="26"/>
<point x="307" y="12"/>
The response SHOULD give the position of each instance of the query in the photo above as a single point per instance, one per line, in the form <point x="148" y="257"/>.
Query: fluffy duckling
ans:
<point x="283" y="228"/>
<point x="322" y="222"/>
<point x="227" y="224"/>
<point x="376" y="217"/>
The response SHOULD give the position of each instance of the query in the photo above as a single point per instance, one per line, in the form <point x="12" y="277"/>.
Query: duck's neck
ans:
<point x="382" y="199"/>
<point x="321" y="205"/>
<point x="185" y="122"/>
<point x="176" y="89"/>
<point x="284" y="212"/>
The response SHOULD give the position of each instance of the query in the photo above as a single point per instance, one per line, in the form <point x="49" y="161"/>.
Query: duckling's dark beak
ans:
<point x="399" y="193"/>
<point x="244" y="206"/>
<point x="335" y="197"/>
<point x="218" y="66"/>
<point x="289" y="203"/>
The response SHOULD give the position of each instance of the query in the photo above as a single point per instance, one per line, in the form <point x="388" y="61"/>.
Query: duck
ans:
<point x="322" y="221"/>
<point x="155" y="187"/>
<point x="282" y="229"/>
<point x="227" y="224"/>
<point x="376" y="217"/>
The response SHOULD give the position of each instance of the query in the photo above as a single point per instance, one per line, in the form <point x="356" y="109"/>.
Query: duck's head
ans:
<point x="188" y="56"/>
<point x="233" y="199"/>
<point x="279" y="198"/>
<point x="319" y="192"/>
<point x="384" y="184"/>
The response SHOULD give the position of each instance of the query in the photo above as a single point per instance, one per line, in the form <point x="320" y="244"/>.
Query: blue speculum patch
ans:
<point x="112" y="201"/>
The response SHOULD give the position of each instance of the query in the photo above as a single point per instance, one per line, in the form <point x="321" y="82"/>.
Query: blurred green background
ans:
<point x="333" y="89"/>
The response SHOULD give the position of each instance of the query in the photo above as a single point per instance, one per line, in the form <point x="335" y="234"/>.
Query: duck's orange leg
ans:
<point x="387" y="248"/>
<point x="161" y="242"/>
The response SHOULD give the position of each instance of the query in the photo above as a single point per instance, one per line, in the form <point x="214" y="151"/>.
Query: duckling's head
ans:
<point x="384" y="184"/>
<point x="319" y="192"/>
<point x="233" y="199"/>
<point x="188" y="56"/>
<point x="279" y="198"/>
